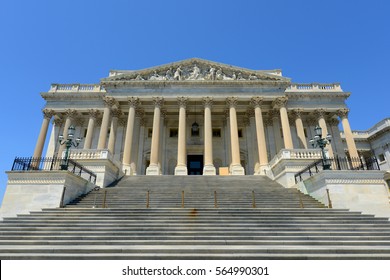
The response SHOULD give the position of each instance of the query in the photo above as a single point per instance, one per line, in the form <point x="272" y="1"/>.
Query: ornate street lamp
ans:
<point x="320" y="142"/>
<point x="68" y="142"/>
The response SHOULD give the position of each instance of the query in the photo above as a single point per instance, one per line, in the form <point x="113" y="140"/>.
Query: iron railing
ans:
<point x="337" y="163"/>
<point x="52" y="163"/>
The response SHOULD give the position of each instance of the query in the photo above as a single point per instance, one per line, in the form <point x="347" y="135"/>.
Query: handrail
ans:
<point x="52" y="163"/>
<point x="339" y="163"/>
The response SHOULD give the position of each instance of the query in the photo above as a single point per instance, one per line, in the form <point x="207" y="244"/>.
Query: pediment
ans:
<point x="194" y="69"/>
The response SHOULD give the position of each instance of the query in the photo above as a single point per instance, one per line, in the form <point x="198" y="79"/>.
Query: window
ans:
<point x="305" y="132"/>
<point x="381" y="158"/>
<point x="173" y="132"/>
<point x="150" y="132"/>
<point x="240" y="135"/>
<point x="216" y="132"/>
<point x="85" y="133"/>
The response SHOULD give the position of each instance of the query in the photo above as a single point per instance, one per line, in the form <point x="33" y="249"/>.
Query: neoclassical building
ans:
<point x="195" y="117"/>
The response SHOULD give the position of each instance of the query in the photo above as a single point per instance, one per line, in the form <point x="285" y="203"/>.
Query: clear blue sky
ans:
<point x="79" y="41"/>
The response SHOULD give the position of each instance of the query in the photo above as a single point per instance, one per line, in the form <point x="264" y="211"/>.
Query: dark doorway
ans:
<point x="195" y="164"/>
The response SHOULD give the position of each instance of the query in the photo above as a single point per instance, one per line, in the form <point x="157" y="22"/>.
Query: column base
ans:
<point x="261" y="170"/>
<point x="209" y="170"/>
<point x="237" y="170"/>
<point x="127" y="169"/>
<point x="153" y="170"/>
<point x="181" y="170"/>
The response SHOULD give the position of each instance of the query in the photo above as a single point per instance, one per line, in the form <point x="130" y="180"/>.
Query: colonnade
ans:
<point x="112" y="112"/>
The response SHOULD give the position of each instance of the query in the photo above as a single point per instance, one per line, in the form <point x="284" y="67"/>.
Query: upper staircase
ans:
<point x="195" y="217"/>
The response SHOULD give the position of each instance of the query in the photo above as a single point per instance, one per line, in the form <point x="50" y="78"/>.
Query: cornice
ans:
<point x="331" y="94"/>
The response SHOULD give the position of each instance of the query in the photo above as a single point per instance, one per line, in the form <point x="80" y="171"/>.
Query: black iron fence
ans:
<point x="52" y="163"/>
<point x="337" y="163"/>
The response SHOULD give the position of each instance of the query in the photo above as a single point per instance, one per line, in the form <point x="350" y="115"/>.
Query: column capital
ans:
<point x="48" y="113"/>
<point x="58" y="121"/>
<point x="320" y="113"/>
<point x="158" y="101"/>
<point x="122" y="122"/>
<point x="207" y="101"/>
<point x="79" y="122"/>
<point x="109" y="101"/>
<point x="274" y="114"/>
<point x="163" y="114"/>
<point x="93" y="113"/>
<point x="116" y="113"/>
<point x="343" y="113"/>
<point x="311" y="120"/>
<point x="133" y="101"/>
<point x="256" y="101"/>
<point x="333" y="121"/>
<point x="182" y="101"/>
<point x="71" y="113"/>
<point x="232" y="101"/>
<point x="250" y="112"/>
<point x="280" y="102"/>
<point x="297" y="113"/>
<point x="139" y="113"/>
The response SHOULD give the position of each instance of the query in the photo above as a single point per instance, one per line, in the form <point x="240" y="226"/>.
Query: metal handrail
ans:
<point x="52" y="163"/>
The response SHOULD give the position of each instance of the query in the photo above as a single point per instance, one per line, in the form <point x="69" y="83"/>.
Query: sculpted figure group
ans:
<point x="194" y="73"/>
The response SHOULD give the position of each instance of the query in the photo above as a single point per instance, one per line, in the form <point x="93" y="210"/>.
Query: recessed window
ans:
<point x="305" y="132"/>
<point x="216" y="132"/>
<point x="240" y="135"/>
<point x="150" y="132"/>
<point x="381" y="157"/>
<point x="173" y="132"/>
<point x="85" y="133"/>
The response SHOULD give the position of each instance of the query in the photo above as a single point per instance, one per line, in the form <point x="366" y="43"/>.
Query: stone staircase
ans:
<point x="226" y="228"/>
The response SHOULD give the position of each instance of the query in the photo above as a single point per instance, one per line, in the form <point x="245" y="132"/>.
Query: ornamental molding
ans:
<point x="48" y="113"/>
<point x="58" y="121"/>
<point x="280" y="102"/>
<point x="231" y="102"/>
<point x="182" y="101"/>
<point x="94" y="114"/>
<point x="256" y="101"/>
<point x="343" y="113"/>
<point x="139" y="113"/>
<point x="25" y="181"/>
<point x="116" y="113"/>
<point x="353" y="181"/>
<point x="207" y="101"/>
<point x="110" y="101"/>
<point x="71" y="114"/>
<point x="133" y="102"/>
<point x="320" y="113"/>
<point x="297" y="113"/>
<point x="158" y="101"/>
<point x="195" y="69"/>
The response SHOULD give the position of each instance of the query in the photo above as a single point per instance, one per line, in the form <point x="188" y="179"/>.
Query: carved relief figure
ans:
<point x="219" y="74"/>
<point x="195" y="73"/>
<point x="211" y="75"/>
<point x="178" y="74"/>
<point x="168" y="74"/>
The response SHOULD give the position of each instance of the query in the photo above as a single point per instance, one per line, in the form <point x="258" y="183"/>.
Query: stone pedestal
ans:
<point x="153" y="170"/>
<point x="209" y="170"/>
<point x="181" y="170"/>
<point x="237" y="170"/>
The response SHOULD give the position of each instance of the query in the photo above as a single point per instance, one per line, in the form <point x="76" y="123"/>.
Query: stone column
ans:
<point x="235" y="167"/>
<point x="260" y="133"/>
<point x="109" y="102"/>
<point x="113" y="130"/>
<point x="320" y="114"/>
<point x="47" y="115"/>
<point x="280" y="103"/>
<point x="139" y="114"/>
<point x="70" y="116"/>
<point x="253" y="155"/>
<point x="133" y="103"/>
<point x="208" y="168"/>
<point x="343" y="114"/>
<point x="338" y="147"/>
<point x="274" y="115"/>
<point x="181" y="167"/>
<point x="153" y="168"/>
<point x="297" y="113"/>
<point x="93" y="114"/>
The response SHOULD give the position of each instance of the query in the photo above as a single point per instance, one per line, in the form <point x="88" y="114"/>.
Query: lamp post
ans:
<point x="68" y="142"/>
<point x="318" y="141"/>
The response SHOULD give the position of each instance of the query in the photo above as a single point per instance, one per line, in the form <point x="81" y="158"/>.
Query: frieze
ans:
<point x="195" y="70"/>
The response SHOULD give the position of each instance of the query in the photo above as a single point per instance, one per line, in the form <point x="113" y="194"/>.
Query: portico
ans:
<point x="146" y="119"/>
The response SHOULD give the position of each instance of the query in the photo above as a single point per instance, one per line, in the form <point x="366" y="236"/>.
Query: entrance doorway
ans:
<point x="195" y="164"/>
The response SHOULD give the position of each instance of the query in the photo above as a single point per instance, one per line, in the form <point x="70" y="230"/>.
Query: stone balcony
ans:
<point x="76" y="88"/>
<point x="314" y="87"/>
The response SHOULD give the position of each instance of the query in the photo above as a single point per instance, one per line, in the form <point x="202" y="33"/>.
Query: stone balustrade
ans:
<point x="76" y="88"/>
<point x="314" y="87"/>
<point x="311" y="154"/>
<point x="82" y="154"/>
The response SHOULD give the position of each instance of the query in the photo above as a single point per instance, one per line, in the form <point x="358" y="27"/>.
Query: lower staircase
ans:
<point x="195" y="217"/>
